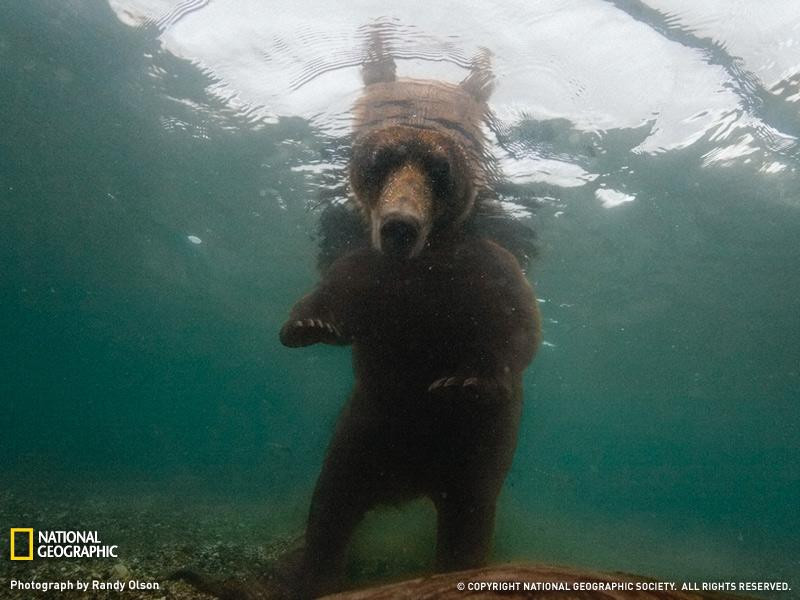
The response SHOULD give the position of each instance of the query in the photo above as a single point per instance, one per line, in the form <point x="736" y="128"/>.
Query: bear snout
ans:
<point x="402" y="214"/>
<point x="399" y="235"/>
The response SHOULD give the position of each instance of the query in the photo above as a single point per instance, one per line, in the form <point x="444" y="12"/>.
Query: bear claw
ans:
<point x="319" y="323"/>
<point x="453" y="381"/>
<point x="303" y="332"/>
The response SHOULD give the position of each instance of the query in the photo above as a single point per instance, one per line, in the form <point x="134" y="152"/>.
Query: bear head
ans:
<point x="418" y="160"/>
<point x="411" y="184"/>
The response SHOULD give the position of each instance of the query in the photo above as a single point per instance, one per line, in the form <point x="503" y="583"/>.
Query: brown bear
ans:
<point x="441" y="320"/>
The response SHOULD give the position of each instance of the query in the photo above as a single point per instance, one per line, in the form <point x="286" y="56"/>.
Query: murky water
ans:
<point x="163" y="166"/>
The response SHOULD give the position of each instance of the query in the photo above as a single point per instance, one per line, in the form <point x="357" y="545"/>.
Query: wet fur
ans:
<point x="439" y="346"/>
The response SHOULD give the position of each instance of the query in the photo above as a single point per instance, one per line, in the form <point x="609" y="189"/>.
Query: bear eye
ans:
<point x="383" y="159"/>
<point x="439" y="173"/>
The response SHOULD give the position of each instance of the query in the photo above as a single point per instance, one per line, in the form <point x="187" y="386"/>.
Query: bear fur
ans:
<point x="442" y="323"/>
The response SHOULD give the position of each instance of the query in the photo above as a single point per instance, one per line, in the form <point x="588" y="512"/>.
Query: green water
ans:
<point x="660" y="431"/>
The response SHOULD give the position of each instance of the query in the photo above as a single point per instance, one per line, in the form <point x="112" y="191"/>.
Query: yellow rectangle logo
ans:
<point x="14" y="532"/>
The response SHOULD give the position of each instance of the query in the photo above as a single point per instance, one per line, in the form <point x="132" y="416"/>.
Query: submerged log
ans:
<point x="532" y="581"/>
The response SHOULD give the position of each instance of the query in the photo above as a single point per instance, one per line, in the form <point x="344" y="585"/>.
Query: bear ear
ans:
<point x="378" y="64"/>
<point x="480" y="82"/>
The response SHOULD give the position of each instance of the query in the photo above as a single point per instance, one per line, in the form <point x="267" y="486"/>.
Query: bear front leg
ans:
<point x="500" y="332"/>
<point x="331" y="314"/>
<point x="313" y="321"/>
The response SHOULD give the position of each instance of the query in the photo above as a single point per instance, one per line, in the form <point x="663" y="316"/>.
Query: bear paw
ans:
<point x="304" y="332"/>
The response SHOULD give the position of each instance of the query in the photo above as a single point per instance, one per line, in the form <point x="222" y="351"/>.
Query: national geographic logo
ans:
<point x="57" y="544"/>
<point x="26" y="535"/>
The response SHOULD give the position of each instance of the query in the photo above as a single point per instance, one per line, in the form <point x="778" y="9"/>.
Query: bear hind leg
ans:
<point x="335" y="512"/>
<point x="346" y="489"/>
<point x="464" y="531"/>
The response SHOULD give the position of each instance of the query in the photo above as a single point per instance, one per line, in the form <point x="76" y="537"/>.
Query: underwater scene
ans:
<point x="176" y="175"/>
